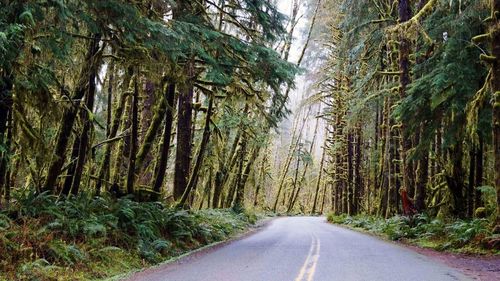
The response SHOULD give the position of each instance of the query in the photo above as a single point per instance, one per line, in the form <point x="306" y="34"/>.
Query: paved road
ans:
<point x="305" y="248"/>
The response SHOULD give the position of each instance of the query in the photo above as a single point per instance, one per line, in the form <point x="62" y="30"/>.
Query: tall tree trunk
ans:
<point x="161" y="168"/>
<point x="455" y="180"/>
<point x="87" y="128"/>
<point x="404" y="80"/>
<point x="422" y="175"/>
<point x="133" y="136"/>
<point x="193" y="180"/>
<point x="495" y="87"/>
<point x="184" y="124"/>
<point x="69" y="116"/>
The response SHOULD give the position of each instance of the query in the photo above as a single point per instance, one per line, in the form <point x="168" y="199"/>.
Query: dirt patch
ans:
<point x="484" y="268"/>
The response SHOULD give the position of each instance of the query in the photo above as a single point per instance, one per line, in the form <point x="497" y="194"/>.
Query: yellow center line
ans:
<point x="304" y="267"/>
<point x="309" y="267"/>
<point x="315" y="258"/>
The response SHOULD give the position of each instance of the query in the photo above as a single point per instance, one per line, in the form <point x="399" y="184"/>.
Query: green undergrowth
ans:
<point x="460" y="236"/>
<point x="92" y="238"/>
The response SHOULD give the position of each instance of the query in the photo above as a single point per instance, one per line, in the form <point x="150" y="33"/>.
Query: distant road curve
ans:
<point x="305" y="249"/>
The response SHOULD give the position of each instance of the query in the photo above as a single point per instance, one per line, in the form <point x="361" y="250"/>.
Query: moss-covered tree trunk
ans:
<point x="70" y="114"/>
<point x="408" y="174"/>
<point x="133" y="136"/>
<point x="193" y="180"/>
<point x="495" y="87"/>
<point x="161" y="167"/>
<point x="318" y="181"/>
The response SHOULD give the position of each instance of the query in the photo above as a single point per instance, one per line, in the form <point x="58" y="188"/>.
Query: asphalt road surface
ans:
<point x="305" y="248"/>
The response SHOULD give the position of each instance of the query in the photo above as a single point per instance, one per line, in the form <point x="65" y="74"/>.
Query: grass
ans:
<point x="93" y="238"/>
<point x="460" y="236"/>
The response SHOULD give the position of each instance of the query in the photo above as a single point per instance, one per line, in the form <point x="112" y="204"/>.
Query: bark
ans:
<point x="478" y="181"/>
<point x="165" y="145"/>
<point x="295" y="182"/>
<point x="455" y="180"/>
<point x="422" y="176"/>
<point x="238" y="205"/>
<point x="404" y="9"/>
<point x="495" y="87"/>
<point x="133" y="137"/>
<point x="201" y="156"/>
<point x="69" y="117"/>
<point x="5" y="111"/>
<point x="151" y="133"/>
<point x="262" y="181"/>
<point x="470" y="187"/>
<point x="184" y="125"/>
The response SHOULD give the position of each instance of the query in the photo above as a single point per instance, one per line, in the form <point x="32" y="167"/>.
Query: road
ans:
<point x="305" y="249"/>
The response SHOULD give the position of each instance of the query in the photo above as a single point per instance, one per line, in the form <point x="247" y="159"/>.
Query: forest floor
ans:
<point x="458" y="244"/>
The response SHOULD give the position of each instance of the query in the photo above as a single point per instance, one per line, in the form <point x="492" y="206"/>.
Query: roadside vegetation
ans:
<point x="86" y="238"/>
<point x="470" y="236"/>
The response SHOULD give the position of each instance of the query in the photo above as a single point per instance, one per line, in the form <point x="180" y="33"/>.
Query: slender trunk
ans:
<point x="201" y="156"/>
<point x="69" y="116"/>
<point x="223" y="172"/>
<point x="68" y="180"/>
<point x="318" y="182"/>
<point x="404" y="80"/>
<point x="470" y="188"/>
<point x="324" y="198"/>
<point x="422" y="175"/>
<point x="350" y="178"/>
<point x="87" y="128"/>
<point x="104" y="169"/>
<point x="239" y="202"/>
<point x="358" y="179"/>
<point x="206" y="191"/>
<point x="133" y="136"/>
<point x="161" y="168"/>
<point x="295" y="179"/>
<point x="262" y="181"/>
<point x="478" y="181"/>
